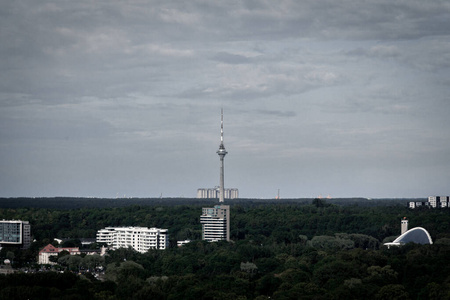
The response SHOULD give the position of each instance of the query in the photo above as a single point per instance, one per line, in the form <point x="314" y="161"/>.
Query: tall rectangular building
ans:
<point x="15" y="233"/>
<point x="215" y="223"/>
<point x="140" y="239"/>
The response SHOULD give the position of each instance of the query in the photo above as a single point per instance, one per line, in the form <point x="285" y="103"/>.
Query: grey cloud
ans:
<point x="137" y="84"/>
<point x="382" y="51"/>
<point x="276" y="113"/>
<point x="45" y="129"/>
<point x="231" y="58"/>
<point x="377" y="106"/>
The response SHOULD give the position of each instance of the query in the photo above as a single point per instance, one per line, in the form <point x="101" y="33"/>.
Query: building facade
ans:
<point x="50" y="250"/>
<point x="15" y="233"/>
<point x="439" y="201"/>
<point x="215" y="223"/>
<point x="214" y="193"/>
<point x="140" y="239"/>
<point x="416" y="204"/>
<point x="433" y="201"/>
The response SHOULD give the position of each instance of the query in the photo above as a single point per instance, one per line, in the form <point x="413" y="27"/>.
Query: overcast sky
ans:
<point x="122" y="98"/>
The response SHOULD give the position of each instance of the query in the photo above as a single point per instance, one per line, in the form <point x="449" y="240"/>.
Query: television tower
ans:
<point x="222" y="152"/>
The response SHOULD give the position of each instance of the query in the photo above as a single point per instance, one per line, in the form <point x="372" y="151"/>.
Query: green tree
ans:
<point x="10" y="255"/>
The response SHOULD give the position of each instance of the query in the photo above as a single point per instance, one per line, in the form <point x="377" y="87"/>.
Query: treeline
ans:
<point x="77" y="202"/>
<point x="263" y="223"/>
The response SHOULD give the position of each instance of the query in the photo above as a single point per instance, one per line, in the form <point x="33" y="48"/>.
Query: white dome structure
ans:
<point x="416" y="235"/>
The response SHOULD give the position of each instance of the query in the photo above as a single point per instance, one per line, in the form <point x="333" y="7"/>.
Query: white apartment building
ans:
<point x="439" y="201"/>
<point x="215" y="223"/>
<point x="140" y="239"/>
<point x="433" y="201"/>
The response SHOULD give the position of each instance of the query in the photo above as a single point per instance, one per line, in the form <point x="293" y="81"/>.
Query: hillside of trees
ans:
<point x="294" y="249"/>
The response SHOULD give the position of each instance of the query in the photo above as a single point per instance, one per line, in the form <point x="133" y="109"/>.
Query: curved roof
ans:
<point x="416" y="235"/>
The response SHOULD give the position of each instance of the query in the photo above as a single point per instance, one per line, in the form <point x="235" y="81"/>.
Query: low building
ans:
<point x="140" y="239"/>
<point x="416" y="235"/>
<point x="214" y="193"/>
<point x="50" y="250"/>
<point x="6" y="268"/>
<point x="82" y="241"/>
<point x="181" y="243"/>
<point x="417" y="204"/>
<point x="15" y="233"/>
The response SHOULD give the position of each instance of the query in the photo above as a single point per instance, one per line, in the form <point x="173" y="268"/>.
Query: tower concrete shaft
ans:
<point x="222" y="152"/>
<point x="404" y="225"/>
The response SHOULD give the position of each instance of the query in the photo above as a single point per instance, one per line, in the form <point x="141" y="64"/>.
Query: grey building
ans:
<point x="15" y="233"/>
<point x="433" y="201"/>
<point x="215" y="223"/>
<point x="213" y="193"/>
<point x="438" y="201"/>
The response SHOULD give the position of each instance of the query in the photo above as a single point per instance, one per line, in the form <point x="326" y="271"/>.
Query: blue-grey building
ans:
<point x="15" y="233"/>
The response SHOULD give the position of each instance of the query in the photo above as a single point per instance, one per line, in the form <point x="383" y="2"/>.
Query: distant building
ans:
<point x="140" y="239"/>
<point x="6" y="268"/>
<point x="87" y="241"/>
<point x="439" y="201"/>
<point x="84" y="241"/>
<point x="213" y="193"/>
<point x="416" y="235"/>
<point x="50" y="250"/>
<point x="416" y="204"/>
<point x="215" y="223"/>
<point x="15" y="233"/>
<point x="404" y="225"/>
<point x="181" y="243"/>
<point x="433" y="201"/>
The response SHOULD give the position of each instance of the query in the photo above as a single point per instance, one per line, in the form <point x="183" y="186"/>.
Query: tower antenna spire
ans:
<point x="221" y="126"/>
<point x="222" y="152"/>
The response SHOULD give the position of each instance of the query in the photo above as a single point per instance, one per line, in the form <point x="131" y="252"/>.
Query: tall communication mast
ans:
<point x="222" y="152"/>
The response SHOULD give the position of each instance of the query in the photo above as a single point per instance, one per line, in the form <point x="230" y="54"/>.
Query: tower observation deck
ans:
<point x="221" y="152"/>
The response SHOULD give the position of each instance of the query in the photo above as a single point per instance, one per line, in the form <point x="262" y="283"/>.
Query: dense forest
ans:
<point x="292" y="249"/>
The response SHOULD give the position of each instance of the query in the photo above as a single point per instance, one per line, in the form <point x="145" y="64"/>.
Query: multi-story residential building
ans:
<point x="140" y="239"/>
<point x="415" y="204"/>
<point x="215" y="223"/>
<point x="439" y="201"/>
<point x="50" y="250"/>
<point x="15" y="233"/>
<point x="213" y="193"/>
<point x="433" y="201"/>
